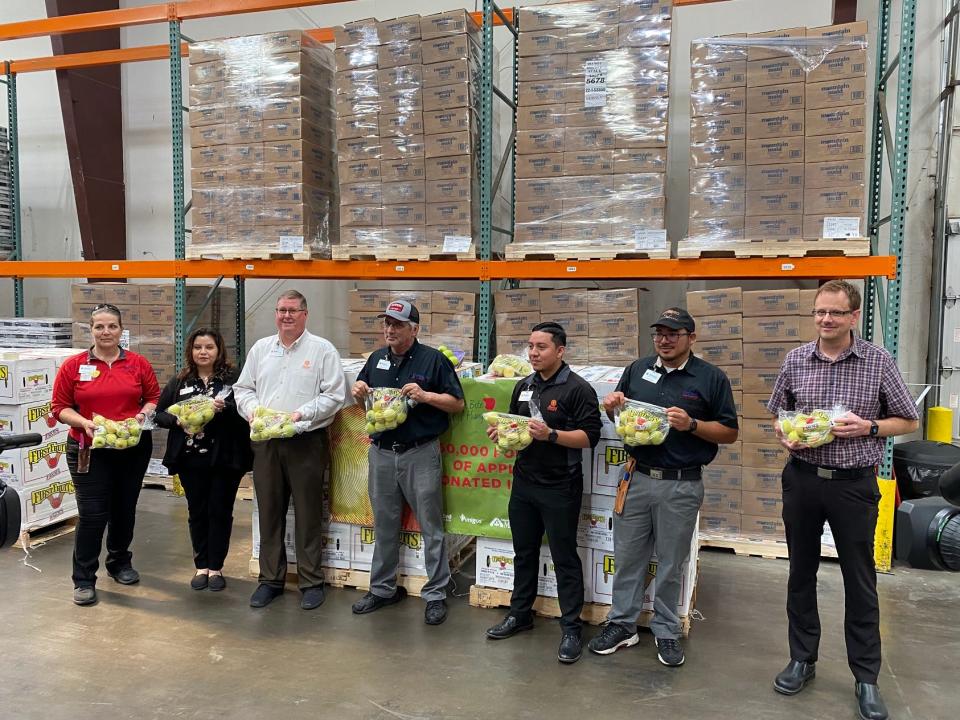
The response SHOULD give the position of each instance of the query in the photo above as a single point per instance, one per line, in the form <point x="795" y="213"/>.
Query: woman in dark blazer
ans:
<point x="212" y="462"/>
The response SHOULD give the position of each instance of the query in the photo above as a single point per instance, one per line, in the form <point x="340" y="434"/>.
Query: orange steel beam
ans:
<point x="704" y="268"/>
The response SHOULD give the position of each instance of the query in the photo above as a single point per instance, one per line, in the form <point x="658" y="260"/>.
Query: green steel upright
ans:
<point x="13" y="160"/>
<point x="179" y="233"/>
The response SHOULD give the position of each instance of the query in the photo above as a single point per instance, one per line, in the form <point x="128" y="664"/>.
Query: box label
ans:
<point x="595" y="83"/>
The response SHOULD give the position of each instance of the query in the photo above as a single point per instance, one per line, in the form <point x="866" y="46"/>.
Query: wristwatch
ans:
<point x="552" y="437"/>
<point x="874" y="429"/>
<point x="693" y="425"/>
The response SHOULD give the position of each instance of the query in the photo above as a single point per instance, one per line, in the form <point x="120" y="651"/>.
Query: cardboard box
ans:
<point x="718" y="180"/>
<point x="542" y="42"/>
<point x="718" y="154"/>
<point x="625" y="348"/>
<point x="715" y="76"/>
<point x="572" y="323"/>
<point x="729" y="454"/>
<point x="841" y="173"/>
<point x="706" y="52"/>
<point x="728" y="101"/>
<point x="722" y="477"/>
<point x="547" y="576"/>
<point x="449" y="47"/>
<point x="767" y="355"/>
<point x="449" y="72"/>
<point x="764" y="455"/>
<point x="775" y="151"/>
<point x="540" y="165"/>
<point x="512" y="344"/>
<point x="565" y="300"/>
<point x="777" y="124"/>
<point x="836" y="93"/>
<point x="451" y="22"/>
<point x="461" y="324"/>
<point x="445" y="301"/>
<point x="639" y="160"/>
<point x="770" y="302"/>
<point x="402" y="28"/>
<point x="609" y="301"/>
<point x="849" y="200"/>
<point x="588" y="162"/>
<point x="844" y="146"/>
<point x="717" y="204"/>
<point x="714" y="302"/>
<point x="807" y="298"/>
<point x="447" y="168"/>
<point x="404" y="214"/>
<point x="366" y="322"/>
<point x="776" y="98"/>
<point x="711" y="229"/>
<point x="775" y="71"/>
<point x="362" y="343"/>
<point x="542" y="68"/>
<point x="762" y="52"/>
<point x="453" y="95"/>
<point x="357" y="32"/>
<point x="788" y="201"/>
<point x="774" y="227"/>
<point x="613" y="325"/>
<point x="770" y="328"/>
<point x="351" y="171"/>
<point x="762" y="480"/>
<point x="595" y="526"/>
<point x="760" y="380"/>
<point x="720" y="523"/>
<point x="121" y="293"/>
<point x="850" y="36"/>
<point x="720" y="327"/>
<point x="447" y="189"/>
<point x="368" y="300"/>
<point x="604" y="569"/>
<point x="813" y="224"/>
<point x="517" y="299"/>
<point x="549" y="92"/>
<point x="755" y="406"/>
<point x="777" y="176"/>
<point x="540" y="211"/>
<point x="494" y="567"/>
<point x="719" y="352"/>
<point x="734" y="374"/>
<point x="608" y="460"/>
<point x="721" y="127"/>
<point x="763" y="504"/>
<point x="834" y="120"/>
<point x="156" y="315"/>
<point x="766" y="528"/>
<point x="724" y="500"/>
<point x="536" y="142"/>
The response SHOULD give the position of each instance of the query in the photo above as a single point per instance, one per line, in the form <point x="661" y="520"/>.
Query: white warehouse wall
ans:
<point x="50" y="226"/>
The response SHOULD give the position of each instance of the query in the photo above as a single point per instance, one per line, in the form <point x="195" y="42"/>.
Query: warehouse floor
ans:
<point x="160" y="650"/>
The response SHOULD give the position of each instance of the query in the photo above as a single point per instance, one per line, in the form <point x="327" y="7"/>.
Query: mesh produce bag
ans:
<point x="640" y="423"/>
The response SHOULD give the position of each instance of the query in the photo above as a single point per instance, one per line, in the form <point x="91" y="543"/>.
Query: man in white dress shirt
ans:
<point x="300" y="373"/>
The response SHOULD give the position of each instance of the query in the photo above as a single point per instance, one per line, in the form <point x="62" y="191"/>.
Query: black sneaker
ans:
<point x="670" y="652"/>
<point x="370" y="602"/>
<point x="571" y="648"/>
<point x="613" y="637"/>
<point x="435" y="612"/>
<point x="127" y="576"/>
<point x="264" y="595"/>
<point x="85" y="596"/>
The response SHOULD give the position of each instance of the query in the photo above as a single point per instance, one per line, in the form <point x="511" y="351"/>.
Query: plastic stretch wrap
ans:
<point x="263" y="170"/>
<point x="778" y="135"/>
<point x="592" y="127"/>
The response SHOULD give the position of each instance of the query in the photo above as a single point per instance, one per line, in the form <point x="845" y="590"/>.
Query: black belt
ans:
<point x="828" y="473"/>
<point x="691" y="473"/>
<point x="400" y="448"/>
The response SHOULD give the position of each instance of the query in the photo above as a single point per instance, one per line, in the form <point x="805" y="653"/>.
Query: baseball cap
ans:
<point x="401" y="310"/>
<point x="676" y="319"/>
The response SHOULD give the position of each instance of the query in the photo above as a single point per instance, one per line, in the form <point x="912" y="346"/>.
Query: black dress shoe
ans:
<point x="869" y="703"/>
<point x="435" y="612"/>
<point x="794" y="676"/>
<point x="571" y="648"/>
<point x="510" y="625"/>
<point x="264" y="595"/>
<point x="127" y="576"/>
<point x="370" y="602"/>
<point x="200" y="581"/>
<point x="312" y="598"/>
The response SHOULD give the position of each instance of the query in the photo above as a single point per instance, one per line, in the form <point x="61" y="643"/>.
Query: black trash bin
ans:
<point x="918" y="465"/>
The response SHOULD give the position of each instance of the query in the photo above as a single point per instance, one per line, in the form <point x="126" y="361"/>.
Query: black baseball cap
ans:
<point x="402" y="310"/>
<point x="676" y="319"/>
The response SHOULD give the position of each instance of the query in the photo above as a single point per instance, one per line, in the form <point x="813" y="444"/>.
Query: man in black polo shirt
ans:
<point x="657" y="504"/>
<point x="404" y="464"/>
<point x="548" y="485"/>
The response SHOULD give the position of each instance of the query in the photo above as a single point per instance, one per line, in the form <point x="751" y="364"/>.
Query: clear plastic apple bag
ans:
<point x="387" y="409"/>
<point x="193" y="414"/>
<point x="270" y="424"/>
<point x="513" y="431"/>
<point x="116" y="434"/>
<point x="811" y="428"/>
<point x="640" y="423"/>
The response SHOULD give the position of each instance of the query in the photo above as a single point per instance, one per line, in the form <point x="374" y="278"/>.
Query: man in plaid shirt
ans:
<point x="837" y="482"/>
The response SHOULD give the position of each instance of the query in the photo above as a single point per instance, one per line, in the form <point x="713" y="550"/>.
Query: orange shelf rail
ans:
<point x="690" y="269"/>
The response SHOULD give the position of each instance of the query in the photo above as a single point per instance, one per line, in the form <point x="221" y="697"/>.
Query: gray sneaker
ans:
<point x="85" y="596"/>
<point x="670" y="652"/>
<point x="613" y="637"/>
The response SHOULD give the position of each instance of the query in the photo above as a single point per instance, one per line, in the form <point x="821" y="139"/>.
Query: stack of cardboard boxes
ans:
<point x="147" y="313"/>
<point x="446" y="318"/>
<point x="592" y="128"/>
<point x="777" y="135"/>
<point x="262" y="146"/>
<point x="407" y="126"/>
<point x="602" y="326"/>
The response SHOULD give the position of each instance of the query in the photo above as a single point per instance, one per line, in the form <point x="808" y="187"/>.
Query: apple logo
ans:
<point x="55" y="500"/>
<point x="52" y="460"/>
<point x="490" y="403"/>
<point x="51" y="421"/>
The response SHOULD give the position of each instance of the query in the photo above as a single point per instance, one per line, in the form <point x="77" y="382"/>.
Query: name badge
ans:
<point x="652" y="376"/>
<point x="526" y="396"/>
<point x="88" y="372"/>
<point x="186" y="390"/>
<point x="276" y="351"/>
<point x="383" y="364"/>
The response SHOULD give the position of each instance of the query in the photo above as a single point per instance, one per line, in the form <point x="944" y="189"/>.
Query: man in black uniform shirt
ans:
<point x="404" y="464"/>
<point x="657" y="503"/>
<point x="548" y="485"/>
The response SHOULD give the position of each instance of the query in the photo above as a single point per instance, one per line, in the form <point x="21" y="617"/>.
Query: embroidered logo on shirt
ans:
<point x="552" y="407"/>
<point x="306" y="364"/>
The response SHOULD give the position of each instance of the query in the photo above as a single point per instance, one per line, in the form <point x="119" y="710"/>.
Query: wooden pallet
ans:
<point x="398" y="253"/>
<point x="852" y="247"/>
<point x="592" y="614"/>
<point x="250" y="253"/>
<point x="755" y="547"/>
<point x="524" y="252"/>
<point x="41" y="536"/>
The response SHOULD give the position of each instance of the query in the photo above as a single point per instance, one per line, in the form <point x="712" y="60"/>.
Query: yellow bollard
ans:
<point x="940" y="424"/>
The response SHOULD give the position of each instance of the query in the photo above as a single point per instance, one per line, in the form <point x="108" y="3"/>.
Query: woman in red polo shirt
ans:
<point x="117" y="384"/>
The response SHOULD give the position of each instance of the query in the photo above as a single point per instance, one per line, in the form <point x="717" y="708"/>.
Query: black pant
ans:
<point x="211" y="493"/>
<point x="106" y="500"/>
<point x="850" y="506"/>
<point x="534" y="509"/>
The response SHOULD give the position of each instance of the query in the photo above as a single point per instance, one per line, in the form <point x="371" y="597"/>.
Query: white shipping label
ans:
<point x="841" y="227"/>
<point x="456" y="243"/>
<point x="595" y="83"/>
<point x="125" y="339"/>
<point x="647" y="239"/>
<point x="291" y="243"/>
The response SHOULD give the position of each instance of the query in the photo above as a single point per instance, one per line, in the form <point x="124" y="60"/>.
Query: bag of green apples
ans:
<point x="513" y="431"/>
<point x="194" y="413"/>
<point x="271" y="424"/>
<point x="509" y="366"/>
<point x="640" y="423"/>
<point x="386" y="409"/>
<point x="115" y="434"/>
<point x="813" y="428"/>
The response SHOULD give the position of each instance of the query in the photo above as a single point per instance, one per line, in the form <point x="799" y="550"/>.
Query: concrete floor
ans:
<point x="160" y="650"/>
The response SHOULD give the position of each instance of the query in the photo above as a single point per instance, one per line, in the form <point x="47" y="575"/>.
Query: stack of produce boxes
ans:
<point x="407" y="129"/>
<point x="592" y="129"/>
<point x="777" y="140"/>
<point x="262" y="146"/>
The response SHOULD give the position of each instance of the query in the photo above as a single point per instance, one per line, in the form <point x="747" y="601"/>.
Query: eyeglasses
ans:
<point x="832" y="313"/>
<point x="394" y="323"/>
<point x="667" y="337"/>
<point x="107" y="306"/>
<point x="288" y="311"/>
